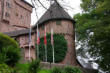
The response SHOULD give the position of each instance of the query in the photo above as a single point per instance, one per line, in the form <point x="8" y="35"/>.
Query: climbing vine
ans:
<point x="60" y="46"/>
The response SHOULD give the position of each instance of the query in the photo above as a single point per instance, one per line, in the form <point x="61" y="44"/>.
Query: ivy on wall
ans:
<point x="60" y="46"/>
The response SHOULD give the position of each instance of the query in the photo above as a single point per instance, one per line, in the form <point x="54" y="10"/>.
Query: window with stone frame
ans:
<point x="5" y="10"/>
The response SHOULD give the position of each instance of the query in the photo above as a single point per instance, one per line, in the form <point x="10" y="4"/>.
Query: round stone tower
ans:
<point x="58" y="19"/>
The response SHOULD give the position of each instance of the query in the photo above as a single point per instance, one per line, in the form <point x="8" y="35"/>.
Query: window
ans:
<point x="43" y="27"/>
<point x="8" y="5"/>
<point x="58" y="22"/>
<point x="21" y="16"/>
<point x="7" y="14"/>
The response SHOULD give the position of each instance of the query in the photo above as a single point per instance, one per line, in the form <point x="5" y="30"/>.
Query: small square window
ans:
<point x="43" y="27"/>
<point x="58" y="22"/>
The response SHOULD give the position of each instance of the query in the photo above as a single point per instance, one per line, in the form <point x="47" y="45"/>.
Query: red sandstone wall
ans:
<point x="67" y="29"/>
<point x="24" y="44"/>
<point x="19" y="16"/>
<point x="0" y="14"/>
<point x="0" y="9"/>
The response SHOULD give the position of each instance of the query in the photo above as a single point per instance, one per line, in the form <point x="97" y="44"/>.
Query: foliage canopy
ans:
<point x="93" y="29"/>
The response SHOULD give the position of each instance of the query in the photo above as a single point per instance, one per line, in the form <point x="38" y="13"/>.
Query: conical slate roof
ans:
<point x="55" y="12"/>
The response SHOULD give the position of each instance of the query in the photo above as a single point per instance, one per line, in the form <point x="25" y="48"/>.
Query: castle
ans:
<point x="15" y="19"/>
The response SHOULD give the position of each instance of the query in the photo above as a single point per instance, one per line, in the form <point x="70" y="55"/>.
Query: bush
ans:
<point x="6" y="41"/>
<point x="56" y="70"/>
<point x="5" y="69"/>
<point x="70" y="69"/>
<point x="9" y="50"/>
<point x="60" y="46"/>
<point x="21" y="68"/>
<point x="9" y="55"/>
<point x="34" y="66"/>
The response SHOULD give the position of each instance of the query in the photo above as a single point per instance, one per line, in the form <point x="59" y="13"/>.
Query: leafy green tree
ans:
<point x="93" y="29"/>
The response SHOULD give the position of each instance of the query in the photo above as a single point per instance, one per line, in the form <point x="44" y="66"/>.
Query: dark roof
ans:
<point x="27" y="3"/>
<point x="18" y="32"/>
<point x="55" y="12"/>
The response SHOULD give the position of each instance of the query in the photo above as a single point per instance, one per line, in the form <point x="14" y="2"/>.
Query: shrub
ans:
<point x="60" y="46"/>
<point x="21" y="68"/>
<point x="7" y="41"/>
<point x="5" y="69"/>
<point x="56" y="70"/>
<point x="9" y="50"/>
<point x="9" y="55"/>
<point x="34" y="66"/>
<point x="70" y="69"/>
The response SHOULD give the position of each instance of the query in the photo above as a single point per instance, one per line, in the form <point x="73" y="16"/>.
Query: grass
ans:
<point x="44" y="71"/>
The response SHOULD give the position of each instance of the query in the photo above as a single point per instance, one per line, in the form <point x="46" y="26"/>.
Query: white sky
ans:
<point x="75" y="4"/>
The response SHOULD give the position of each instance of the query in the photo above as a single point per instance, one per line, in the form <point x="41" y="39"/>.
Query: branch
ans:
<point x="42" y="4"/>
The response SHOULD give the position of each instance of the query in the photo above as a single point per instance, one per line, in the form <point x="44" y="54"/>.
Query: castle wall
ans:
<point x="14" y="15"/>
<point x="67" y="29"/>
<point x="0" y="14"/>
<point x="24" y="45"/>
<point x="0" y="9"/>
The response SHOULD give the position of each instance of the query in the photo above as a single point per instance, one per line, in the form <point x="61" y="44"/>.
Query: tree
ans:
<point x="93" y="29"/>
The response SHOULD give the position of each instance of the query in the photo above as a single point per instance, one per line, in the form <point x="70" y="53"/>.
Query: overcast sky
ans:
<point x="74" y="4"/>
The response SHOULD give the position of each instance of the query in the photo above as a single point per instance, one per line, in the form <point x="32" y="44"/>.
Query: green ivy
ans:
<point x="60" y="46"/>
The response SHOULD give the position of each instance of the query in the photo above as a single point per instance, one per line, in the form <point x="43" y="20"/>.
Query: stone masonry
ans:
<point x="67" y="29"/>
<point x="15" y="18"/>
<point x="14" y="15"/>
